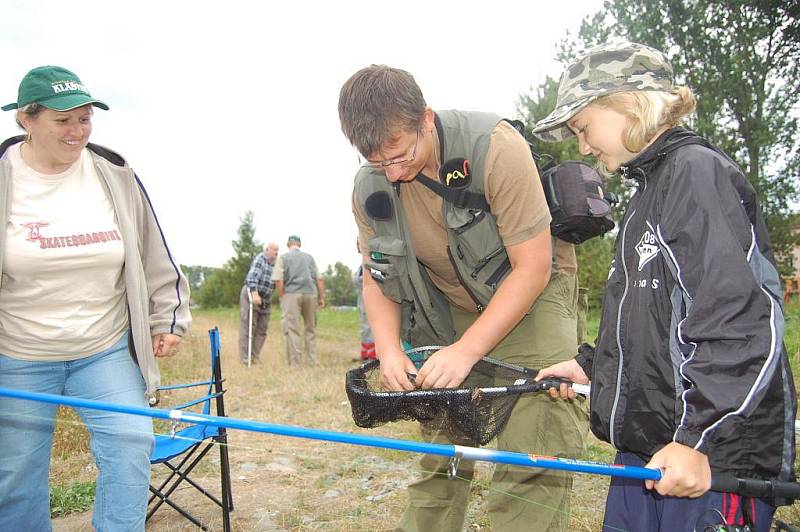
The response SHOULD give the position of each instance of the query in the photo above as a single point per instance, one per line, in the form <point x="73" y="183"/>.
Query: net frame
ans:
<point x="468" y="414"/>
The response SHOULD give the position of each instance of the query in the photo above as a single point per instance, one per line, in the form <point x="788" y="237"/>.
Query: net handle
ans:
<point x="529" y="371"/>
<point x="527" y="386"/>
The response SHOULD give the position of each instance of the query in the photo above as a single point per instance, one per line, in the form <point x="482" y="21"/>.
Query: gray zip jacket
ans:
<point x="157" y="291"/>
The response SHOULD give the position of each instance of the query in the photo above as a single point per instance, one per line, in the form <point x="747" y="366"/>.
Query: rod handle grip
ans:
<point x="754" y="487"/>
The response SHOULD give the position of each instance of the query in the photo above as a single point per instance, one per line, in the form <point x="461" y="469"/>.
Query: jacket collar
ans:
<point x="10" y="142"/>
<point x="643" y="164"/>
<point x="107" y="154"/>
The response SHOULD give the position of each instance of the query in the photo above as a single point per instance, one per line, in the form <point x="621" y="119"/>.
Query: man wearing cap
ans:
<point x="90" y="297"/>
<point x="481" y="278"/>
<point x="298" y="280"/>
<point x="254" y="304"/>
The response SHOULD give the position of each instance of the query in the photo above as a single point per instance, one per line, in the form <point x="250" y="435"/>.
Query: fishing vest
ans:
<point x="475" y="247"/>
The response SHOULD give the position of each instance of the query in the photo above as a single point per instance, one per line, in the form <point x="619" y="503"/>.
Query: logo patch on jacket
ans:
<point x="647" y="249"/>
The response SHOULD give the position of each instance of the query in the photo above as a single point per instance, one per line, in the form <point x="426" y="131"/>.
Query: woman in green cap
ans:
<point x="89" y="296"/>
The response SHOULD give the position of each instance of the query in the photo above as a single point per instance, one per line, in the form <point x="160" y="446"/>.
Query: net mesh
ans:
<point x="472" y="414"/>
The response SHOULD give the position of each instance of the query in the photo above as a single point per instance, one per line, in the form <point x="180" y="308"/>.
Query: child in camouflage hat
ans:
<point x="689" y="373"/>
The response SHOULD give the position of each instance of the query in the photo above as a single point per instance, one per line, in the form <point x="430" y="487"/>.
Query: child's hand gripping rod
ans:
<point x="751" y="487"/>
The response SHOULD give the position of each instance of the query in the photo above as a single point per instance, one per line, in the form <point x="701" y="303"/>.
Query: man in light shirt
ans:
<point x="297" y="280"/>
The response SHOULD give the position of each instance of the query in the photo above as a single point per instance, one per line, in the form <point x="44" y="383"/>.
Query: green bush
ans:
<point x="594" y="261"/>
<point x="792" y="336"/>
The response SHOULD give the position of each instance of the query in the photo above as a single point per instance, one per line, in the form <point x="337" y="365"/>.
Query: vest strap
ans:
<point x="460" y="197"/>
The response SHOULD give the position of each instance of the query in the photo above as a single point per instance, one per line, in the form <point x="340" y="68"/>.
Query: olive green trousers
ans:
<point x="520" y="498"/>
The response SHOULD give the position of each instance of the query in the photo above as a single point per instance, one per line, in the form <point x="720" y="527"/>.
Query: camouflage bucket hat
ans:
<point x="614" y="67"/>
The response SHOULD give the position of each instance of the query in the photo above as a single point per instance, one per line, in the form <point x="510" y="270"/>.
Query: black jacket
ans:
<point x="690" y="344"/>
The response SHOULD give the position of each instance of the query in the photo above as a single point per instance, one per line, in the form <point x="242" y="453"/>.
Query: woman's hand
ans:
<point x="166" y="345"/>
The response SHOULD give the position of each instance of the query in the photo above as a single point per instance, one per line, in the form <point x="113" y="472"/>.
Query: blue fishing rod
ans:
<point x="742" y="486"/>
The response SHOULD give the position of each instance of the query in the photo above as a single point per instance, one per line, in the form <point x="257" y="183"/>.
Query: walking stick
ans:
<point x="250" y="330"/>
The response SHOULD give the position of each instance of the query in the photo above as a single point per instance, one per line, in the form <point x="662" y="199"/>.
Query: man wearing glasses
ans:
<point x="479" y="276"/>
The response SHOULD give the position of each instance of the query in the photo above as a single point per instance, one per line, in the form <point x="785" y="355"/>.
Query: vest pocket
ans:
<point x="479" y="250"/>
<point x="466" y="219"/>
<point x="499" y="274"/>
<point x="476" y="234"/>
<point x="387" y="265"/>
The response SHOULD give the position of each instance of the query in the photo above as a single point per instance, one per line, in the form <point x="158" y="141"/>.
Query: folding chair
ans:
<point x="182" y="451"/>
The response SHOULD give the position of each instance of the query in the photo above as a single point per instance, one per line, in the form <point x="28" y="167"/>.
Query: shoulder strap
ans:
<point x="543" y="162"/>
<point x="460" y="197"/>
<point x="464" y="198"/>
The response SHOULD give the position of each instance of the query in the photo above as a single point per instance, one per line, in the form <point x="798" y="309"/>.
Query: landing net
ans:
<point x="473" y="414"/>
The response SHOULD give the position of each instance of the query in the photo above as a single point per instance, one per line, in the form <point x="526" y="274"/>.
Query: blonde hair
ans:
<point x="648" y="112"/>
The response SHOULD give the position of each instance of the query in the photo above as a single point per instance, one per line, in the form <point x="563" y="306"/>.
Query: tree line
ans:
<point x="742" y="60"/>
<point x="220" y="287"/>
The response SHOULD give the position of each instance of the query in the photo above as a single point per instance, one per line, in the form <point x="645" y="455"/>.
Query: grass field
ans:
<point x="294" y="484"/>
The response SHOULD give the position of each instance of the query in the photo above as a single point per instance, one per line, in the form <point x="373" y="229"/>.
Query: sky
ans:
<point x="225" y="107"/>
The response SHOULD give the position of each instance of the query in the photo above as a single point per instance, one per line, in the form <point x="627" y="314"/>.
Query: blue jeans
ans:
<point x="121" y="443"/>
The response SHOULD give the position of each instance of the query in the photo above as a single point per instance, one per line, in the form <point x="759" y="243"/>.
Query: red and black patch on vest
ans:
<point x="455" y="173"/>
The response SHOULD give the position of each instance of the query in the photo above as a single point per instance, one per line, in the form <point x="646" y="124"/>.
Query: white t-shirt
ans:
<point x="62" y="292"/>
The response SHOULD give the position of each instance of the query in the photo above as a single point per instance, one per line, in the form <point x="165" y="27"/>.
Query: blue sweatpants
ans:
<point x="631" y="507"/>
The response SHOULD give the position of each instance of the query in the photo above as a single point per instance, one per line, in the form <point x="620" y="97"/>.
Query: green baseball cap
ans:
<point x="294" y="238"/>
<point x="605" y="69"/>
<point x="55" y="88"/>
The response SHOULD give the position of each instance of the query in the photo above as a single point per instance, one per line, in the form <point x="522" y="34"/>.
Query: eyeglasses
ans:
<point x="399" y="161"/>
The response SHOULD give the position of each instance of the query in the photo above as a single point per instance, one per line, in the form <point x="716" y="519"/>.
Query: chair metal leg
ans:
<point x="182" y="474"/>
<point x="186" y="458"/>
<point x="184" y="513"/>
<point x="225" y="479"/>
